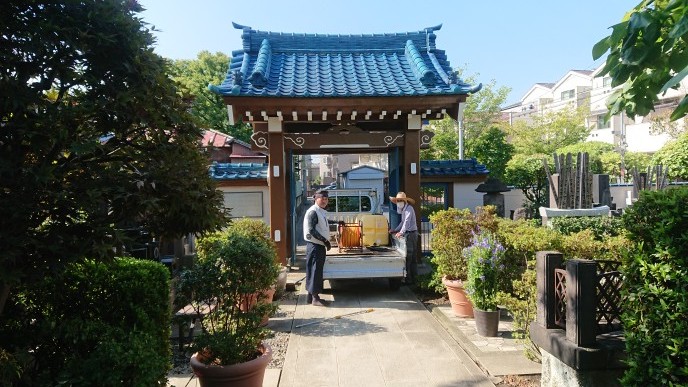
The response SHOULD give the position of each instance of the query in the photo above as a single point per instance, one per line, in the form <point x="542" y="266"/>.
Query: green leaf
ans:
<point x="600" y="48"/>
<point x="618" y="31"/>
<point x="674" y="80"/>
<point x="680" y="28"/>
<point x="634" y="56"/>
<point x="639" y="21"/>
<point x="681" y="110"/>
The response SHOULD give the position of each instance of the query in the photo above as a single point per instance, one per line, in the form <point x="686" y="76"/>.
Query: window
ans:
<point x="606" y="82"/>
<point x="244" y="204"/>
<point x="348" y="204"/>
<point x="602" y="121"/>
<point x="568" y="94"/>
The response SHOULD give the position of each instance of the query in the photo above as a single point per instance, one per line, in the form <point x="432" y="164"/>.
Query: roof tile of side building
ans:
<point x="275" y="64"/>
<point x="238" y="171"/>
<point x="467" y="167"/>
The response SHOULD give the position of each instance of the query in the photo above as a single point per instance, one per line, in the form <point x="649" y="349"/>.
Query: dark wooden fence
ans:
<point x="582" y="297"/>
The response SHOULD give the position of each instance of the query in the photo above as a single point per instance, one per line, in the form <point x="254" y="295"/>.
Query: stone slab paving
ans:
<point x="397" y="344"/>
<point x="499" y="356"/>
<point x="271" y="379"/>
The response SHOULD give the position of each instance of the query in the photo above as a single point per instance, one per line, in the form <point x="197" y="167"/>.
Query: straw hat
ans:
<point x="401" y="196"/>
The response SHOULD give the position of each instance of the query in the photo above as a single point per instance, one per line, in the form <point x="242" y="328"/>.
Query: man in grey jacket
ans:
<point x="316" y="232"/>
<point x="407" y="230"/>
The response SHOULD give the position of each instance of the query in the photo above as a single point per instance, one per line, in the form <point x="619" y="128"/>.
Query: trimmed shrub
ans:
<point x="522" y="239"/>
<point x="451" y="233"/>
<point x="600" y="226"/>
<point x="656" y="274"/>
<point x="585" y="245"/>
<point x="234" y="266"/>
<point x="104" y="324"/>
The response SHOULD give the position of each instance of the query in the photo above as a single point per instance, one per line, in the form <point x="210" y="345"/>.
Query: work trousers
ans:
<point x="411" y="238"/>
<point x="315" y="261"/>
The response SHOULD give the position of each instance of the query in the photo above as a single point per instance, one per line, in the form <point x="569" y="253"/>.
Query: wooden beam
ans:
<point x="256" y="106"/>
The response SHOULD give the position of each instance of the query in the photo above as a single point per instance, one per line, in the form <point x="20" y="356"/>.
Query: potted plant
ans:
<point x="485" y="259"/>
<point x="233" y="265"/>
<point x="451" y="233"/>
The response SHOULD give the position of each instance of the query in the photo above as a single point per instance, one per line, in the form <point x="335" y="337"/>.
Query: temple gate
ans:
<point x="313" y="93"/>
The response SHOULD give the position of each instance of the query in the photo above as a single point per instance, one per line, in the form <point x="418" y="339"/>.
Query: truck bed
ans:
<point x="370" y="262"/>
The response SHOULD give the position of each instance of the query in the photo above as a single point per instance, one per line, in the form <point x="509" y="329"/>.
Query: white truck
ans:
<point x="362" y="245"/>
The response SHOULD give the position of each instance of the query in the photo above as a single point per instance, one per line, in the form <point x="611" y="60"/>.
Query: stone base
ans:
<point x="556" y="373"/>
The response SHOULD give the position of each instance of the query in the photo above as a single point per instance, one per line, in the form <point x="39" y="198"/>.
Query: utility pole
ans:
<point x="622" y="149"/>
<point x="460" y="129"/>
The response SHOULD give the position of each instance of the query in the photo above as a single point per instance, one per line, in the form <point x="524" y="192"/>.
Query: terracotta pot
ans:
<point x="250" y="300"/>
<point x="460" y="303"/>
<point x="248" y="374"/>
<point x="486" y="322"/>
<point x="281" y="284"/>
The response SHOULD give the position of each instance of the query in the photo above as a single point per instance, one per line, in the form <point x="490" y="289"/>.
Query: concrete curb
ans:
<point x="493" y="363"/>
<point x="456" y="334"/>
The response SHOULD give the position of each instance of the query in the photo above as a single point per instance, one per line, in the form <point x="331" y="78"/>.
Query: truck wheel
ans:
<point x="394" y="283"/>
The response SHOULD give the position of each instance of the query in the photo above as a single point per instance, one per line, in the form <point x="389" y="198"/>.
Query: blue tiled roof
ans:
<point x="275" y="64"/>
<point x="238" y="171"/>
<point x="468" y="167"/>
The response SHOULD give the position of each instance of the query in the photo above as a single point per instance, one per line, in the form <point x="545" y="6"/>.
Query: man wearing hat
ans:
<point x="316" y="232"/>
<point x="408" y="230"/>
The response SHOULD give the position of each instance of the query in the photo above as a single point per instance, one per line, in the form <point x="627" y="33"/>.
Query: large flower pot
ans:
<point x="250" y="301"/>
<point x="486" y="322"/>
<point x="248" y="374"/>
<point x="461" y="305"/>
<point x="281" y="284"/>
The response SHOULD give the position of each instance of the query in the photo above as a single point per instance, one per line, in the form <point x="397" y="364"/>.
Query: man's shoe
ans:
<point x="317" y="302"/>
<point x="309" y="298"/>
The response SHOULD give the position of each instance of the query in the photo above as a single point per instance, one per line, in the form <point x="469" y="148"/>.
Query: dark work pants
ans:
<point x="411" y="238"/>
<point x="315" y="261"/>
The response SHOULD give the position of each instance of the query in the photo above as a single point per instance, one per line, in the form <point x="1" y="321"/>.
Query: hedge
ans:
<point x="104" y="324"/>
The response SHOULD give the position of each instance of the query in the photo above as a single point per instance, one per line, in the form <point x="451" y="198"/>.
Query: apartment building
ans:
<point x="587" y="88"/>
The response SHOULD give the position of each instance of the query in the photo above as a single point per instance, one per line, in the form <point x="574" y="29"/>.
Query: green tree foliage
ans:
<point x="492" y="149"/>
<point x="594" y="149"/>
<point x="207" y="108"/>
<point x="481" y="112"/>
<point x="526" y="173"/>
<point x="674" y="156"/>
<point x="548" y="132"/>
<point x="648" y="54"/>
<point x="483" y="109"/>
<point x="94" y="137"/>
<point x="611" y="162"/>
<point x="445" y="142"/>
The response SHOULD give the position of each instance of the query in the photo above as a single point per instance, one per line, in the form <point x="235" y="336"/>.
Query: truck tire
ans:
<point x="394" y="283"/>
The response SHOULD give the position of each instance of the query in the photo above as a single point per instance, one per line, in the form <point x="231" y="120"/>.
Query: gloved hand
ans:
<point x="328" y="246"/>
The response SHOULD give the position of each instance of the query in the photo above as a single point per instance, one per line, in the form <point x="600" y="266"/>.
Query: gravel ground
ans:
<point x="278" y="341"/>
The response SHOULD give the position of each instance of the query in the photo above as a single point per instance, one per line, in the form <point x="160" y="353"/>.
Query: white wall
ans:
<point x="466" y="197"/>
<point x="639" y="139"/>
<point x="603" y="135"/>
<point x="246" y="201"/>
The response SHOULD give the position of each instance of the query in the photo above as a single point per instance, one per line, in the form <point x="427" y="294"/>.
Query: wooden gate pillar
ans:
<point x="277" y="183"/>
<point x="411" y="168"/>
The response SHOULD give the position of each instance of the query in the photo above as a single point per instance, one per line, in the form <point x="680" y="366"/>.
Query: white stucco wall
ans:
<point x="639" y="139"/>
<point x="466" y="197"/>
<point x="253" y="202"/>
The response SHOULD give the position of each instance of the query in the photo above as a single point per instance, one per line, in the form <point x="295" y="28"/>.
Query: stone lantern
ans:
<point x="493" y="189"/>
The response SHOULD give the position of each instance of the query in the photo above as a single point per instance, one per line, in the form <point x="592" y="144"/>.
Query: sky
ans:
<point x="513" y="43"/>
